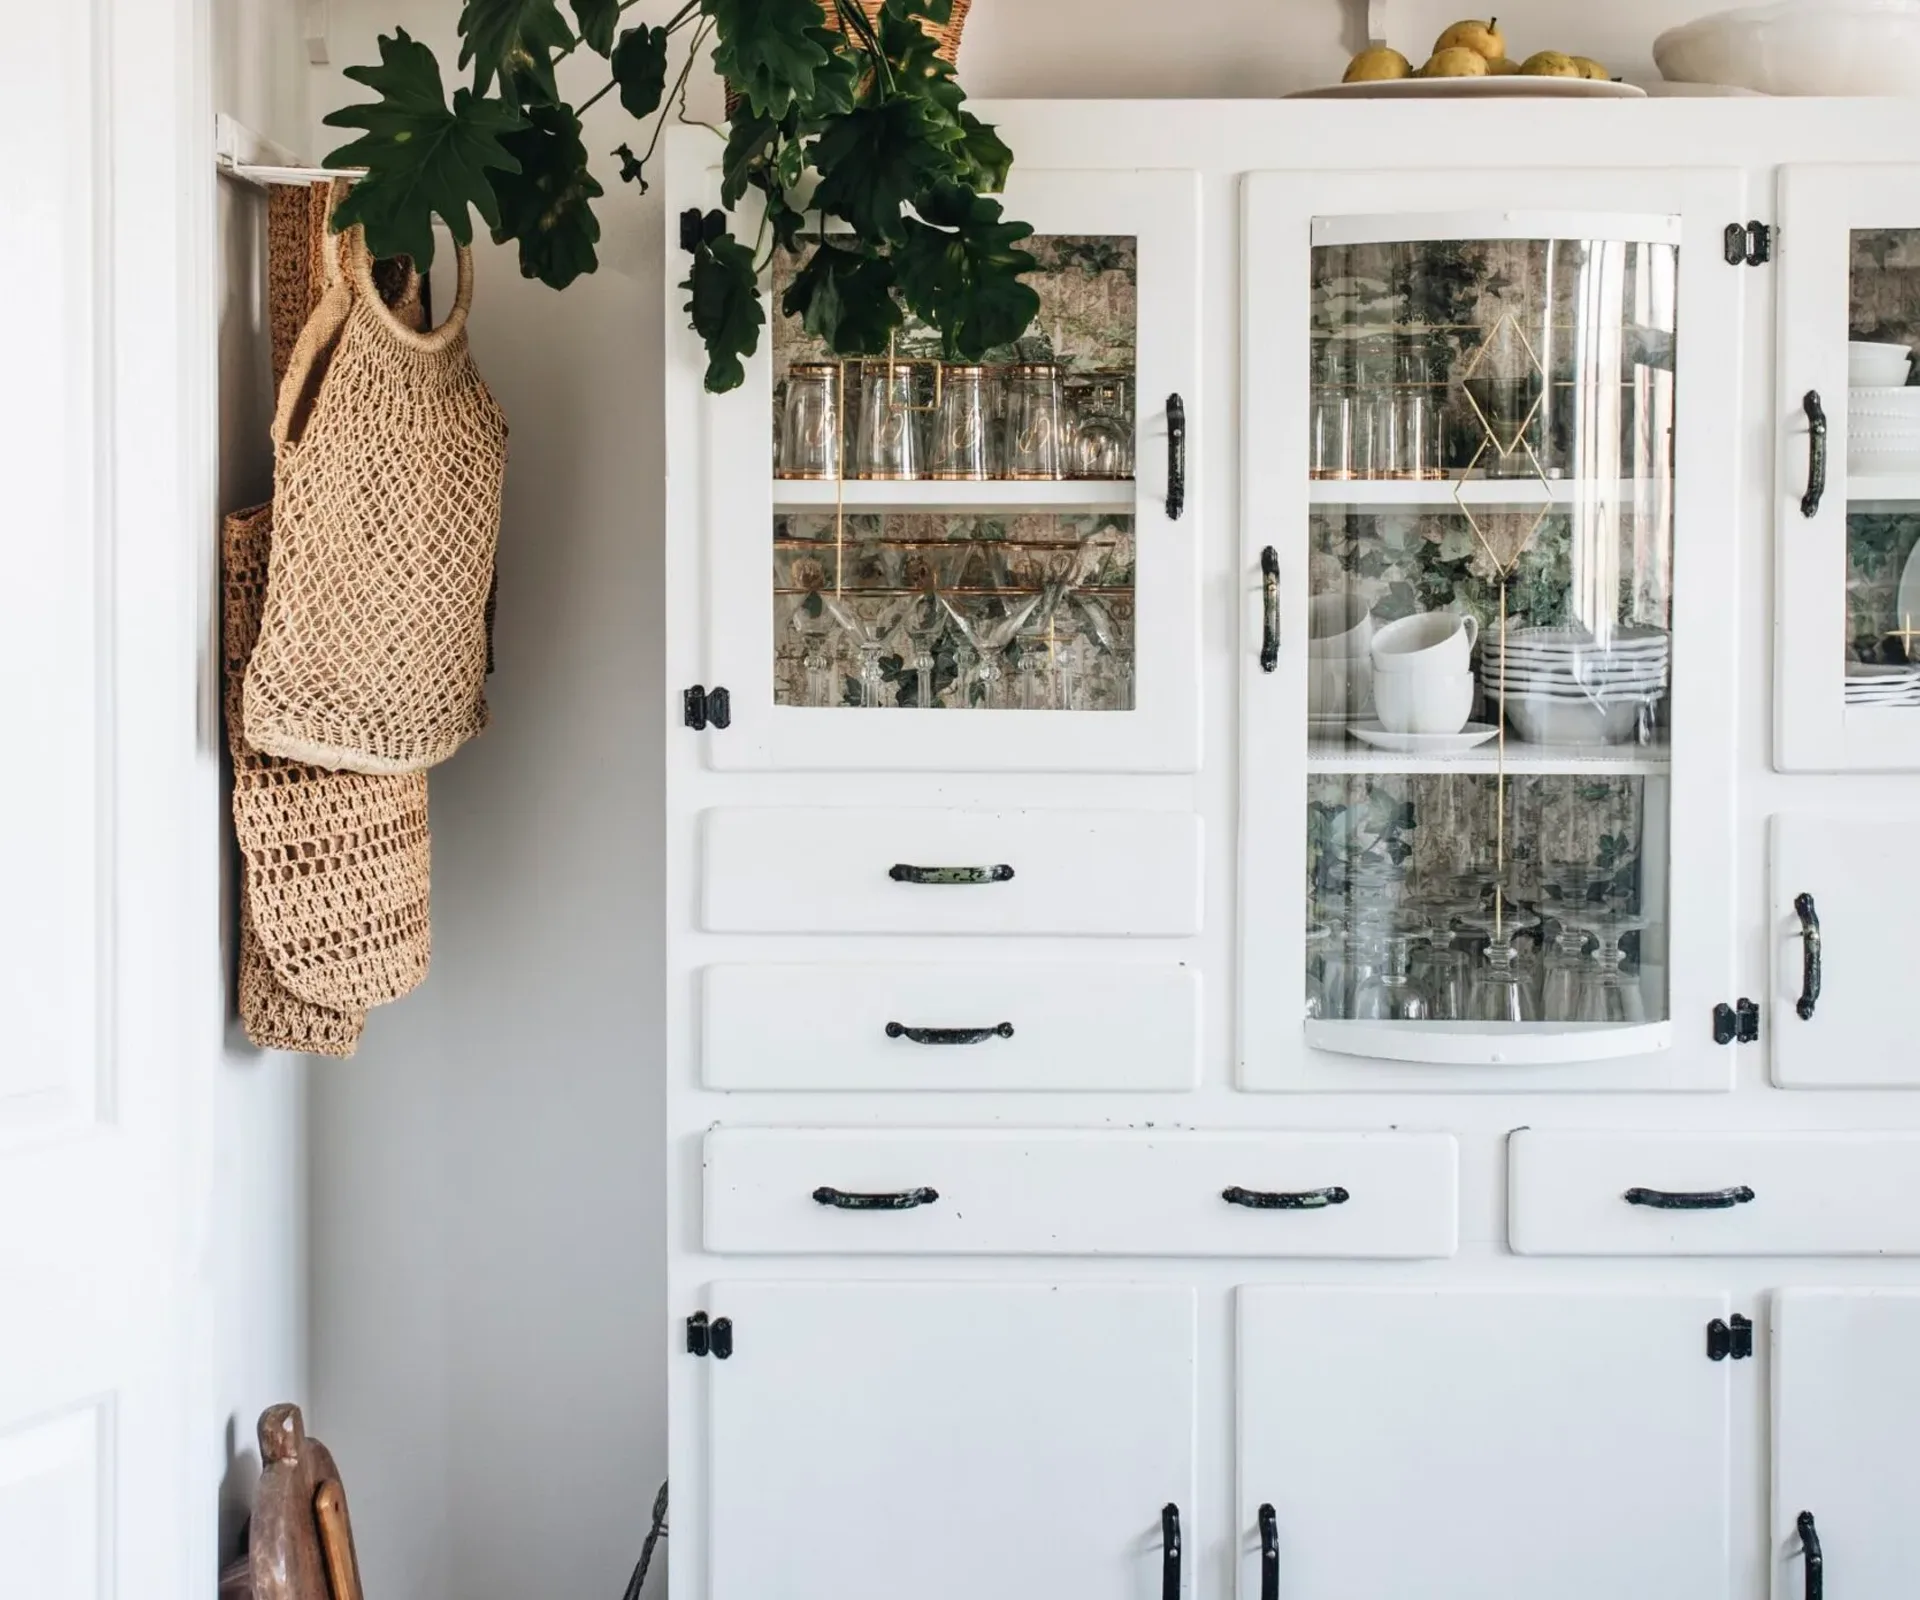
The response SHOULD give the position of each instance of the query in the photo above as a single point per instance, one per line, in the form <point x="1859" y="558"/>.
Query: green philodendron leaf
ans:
<point x="959" y="269"/>
<point x="597" y="19"/>
<point x="751" y="140"/>
<point x="423" y="159"/>
<point x="875" y="160"/>
<point x="846" y="299"/>
<point x="513" y="40"/>
<point x="547" y="204"/>
<point x="640" y="68"/>
<point x="769" y="50"/>
<point x="724" y="304"/>
<point x="985" y="155"/>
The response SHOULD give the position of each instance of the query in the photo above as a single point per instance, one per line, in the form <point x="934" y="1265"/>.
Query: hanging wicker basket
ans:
<point x="948" y="34"/>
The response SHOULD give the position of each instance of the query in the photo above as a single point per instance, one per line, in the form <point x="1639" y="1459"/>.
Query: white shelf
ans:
<point x="932" y="494"/>
<point x="1886" y="488"/>
<point x="1490" y="1044"/>
<point x="1474" y="491"/>
<point x="1349" y="755"/>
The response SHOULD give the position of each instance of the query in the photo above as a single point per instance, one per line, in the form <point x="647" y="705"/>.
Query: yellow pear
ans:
<point x="1484" y="38"/>
<point x="1551" y="64"/>
<point x="1592" y="69"/>
<point x="1458" y="62"/>
<point x="1502" y="67"/>
<point x="1376" y="63"/>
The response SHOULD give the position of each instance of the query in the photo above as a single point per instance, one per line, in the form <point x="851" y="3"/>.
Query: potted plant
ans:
<point x="856" y="94"/>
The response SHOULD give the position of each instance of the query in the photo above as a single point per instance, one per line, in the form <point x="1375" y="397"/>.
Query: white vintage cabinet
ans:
<point x="1135" y="1129"/>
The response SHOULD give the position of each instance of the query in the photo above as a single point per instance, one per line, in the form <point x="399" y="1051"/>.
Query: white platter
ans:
<point x="1470" y="737"/>
<point x="1510" y="87"/>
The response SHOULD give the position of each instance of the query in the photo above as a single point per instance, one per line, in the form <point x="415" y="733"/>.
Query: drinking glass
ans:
<point x="1608" y="994"/>
<point x="1418" y="434"/>
<point x="1332" y="445"/>
<point x="1033" y="420"/>
<point x="1566" y="971"/>
<point x="1100" y="419"/>
<point x="1390" y="995"/>
<point x="1318" y="935"/>
<point x="889" y="442"/>
<point x="958" y="449"/>
<point x="1499" y="994"/>
<point x="810" y="423"/>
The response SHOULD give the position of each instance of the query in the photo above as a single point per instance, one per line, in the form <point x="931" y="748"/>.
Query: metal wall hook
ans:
<point x="1690" y="1200"/>
<point x="1811" y="1557"/>
<point x="1269" y="1554"/>
<point x="1809" y="956"/>
<point x="1816" y="454"/>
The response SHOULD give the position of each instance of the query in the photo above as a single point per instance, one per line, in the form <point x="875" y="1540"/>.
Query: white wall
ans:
<point x="256" y="1248"/>
<point x="488" y="1241"/>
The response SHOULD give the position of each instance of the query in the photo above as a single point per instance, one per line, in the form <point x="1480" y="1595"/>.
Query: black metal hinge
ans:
<point x="706" y="1338"/>
<point x="1735" y="1341"/>
<point x="1749" y="244"/>
<point x="1738" y="1023"/>
<point x="708" y="708"/>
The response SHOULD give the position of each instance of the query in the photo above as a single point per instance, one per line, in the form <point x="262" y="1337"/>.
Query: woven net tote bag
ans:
<point x="390" y="458"/>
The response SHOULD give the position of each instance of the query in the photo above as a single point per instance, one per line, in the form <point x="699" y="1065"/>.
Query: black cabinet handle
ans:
<point x="1809" y="956"/>
<point x="1698" y="1200"/>
<point x="902" y="873"/>
<point x="1816" y="454"/>
<point x="902" y="1200"/>
<point x="1269" y="1554"/>
<point x="1269" y="609"/>
<point x="1810" y="1556"/>
<point x="899" y="1030"/>
<point x="1176" y="457"/>
<point x="1170" y="1552"/>
<point x="1296" y="1200"/>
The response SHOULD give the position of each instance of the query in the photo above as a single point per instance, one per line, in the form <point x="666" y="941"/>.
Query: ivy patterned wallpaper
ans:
<point x="1884" y="305"/>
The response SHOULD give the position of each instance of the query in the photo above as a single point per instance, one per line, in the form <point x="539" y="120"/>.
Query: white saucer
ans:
<point x="1424" y="744"/>
<point x="1508" y="86"/>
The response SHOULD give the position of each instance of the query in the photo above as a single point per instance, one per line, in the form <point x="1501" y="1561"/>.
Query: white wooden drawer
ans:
<point x="1054" y="1025"/>
<point x="797" y="870"/>
<point x="771" y="1191"/>
<point x="1825" y="1194"/>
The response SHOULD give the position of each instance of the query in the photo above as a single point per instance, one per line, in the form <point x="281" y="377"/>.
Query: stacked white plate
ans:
<point x="1875" y="684"/>
<point x="1563" y="687"/>
<point x="1883" y="430"/>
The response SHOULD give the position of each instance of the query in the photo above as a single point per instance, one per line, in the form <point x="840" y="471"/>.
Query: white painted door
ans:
<point x="949" y="1441"/>
<point x="1484" y="685"/>
<point x="1847" y="549"/>
<point x="1846" y="1414"/>
<point x="1840" y="1014"/>
<point x="100" y="1493"/>
<point x="1467" y="1445"/>
<point x="1006" y="624"/>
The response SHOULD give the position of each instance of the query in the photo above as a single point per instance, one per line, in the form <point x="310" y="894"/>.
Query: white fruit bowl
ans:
<point x="1858" y="47"/>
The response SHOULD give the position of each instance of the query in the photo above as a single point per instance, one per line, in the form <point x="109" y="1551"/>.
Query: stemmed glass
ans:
<point x="1390" y="995"/>
<point x="987" y="641"/>
<point x="1566" y="973"/>
<point x="1500" y="991"/>
<point x="1608" y="994"/>
<point x="869" y="624"/>
<point x="1038" y="679"/>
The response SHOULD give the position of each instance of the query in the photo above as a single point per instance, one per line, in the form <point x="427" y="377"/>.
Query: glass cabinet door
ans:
<point x="1847" y="504"/>
<point x="1472" y="639"/>
<point x="920" y="564"/>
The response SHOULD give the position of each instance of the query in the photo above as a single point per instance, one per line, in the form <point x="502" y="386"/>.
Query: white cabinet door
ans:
<point x="948" y="1441"/>
<point x="1009" y="624"/>
<point x="1842" y="958"/>
<point x="1485" y="629"/>
<point x="1846" y="1415"/>
<point x="1847" y="495"/>
<point x="1459" y="1445"/>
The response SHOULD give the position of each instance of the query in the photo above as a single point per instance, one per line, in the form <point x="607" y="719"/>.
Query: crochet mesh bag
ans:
<point x="391" y="455"/>
<point x="336" y="863"/>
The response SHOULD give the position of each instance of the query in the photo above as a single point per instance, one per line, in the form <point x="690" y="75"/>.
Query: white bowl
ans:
<point x="1800" y="47"/>
<point x="1539" y="720"/>
<point x="1881" y="374"/>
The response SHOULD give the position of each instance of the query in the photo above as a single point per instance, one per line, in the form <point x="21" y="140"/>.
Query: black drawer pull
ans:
<point x="1269" y="1554"/>
<point x="1296" y="1200"/>
<point x="901" y="1200"/>
<point x="1170" y="1552"/>
<point x="902" y="873"/>
<point x="1809" y="956"/>
<point x="1811" y="1557"/>
<point x="1269" y="609"/>
<point x="1176" y="457"/>
<point x="1698" y="1200"/>
<point x="899" y="1030"/>
<point x="1816" y="455"/>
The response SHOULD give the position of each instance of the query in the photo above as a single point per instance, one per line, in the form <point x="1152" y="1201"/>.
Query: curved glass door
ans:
<point x="1490" y="685"/>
